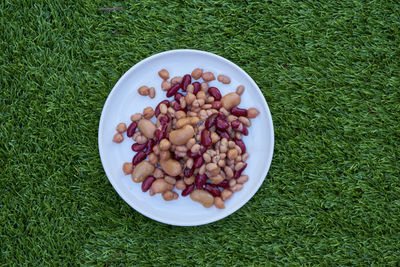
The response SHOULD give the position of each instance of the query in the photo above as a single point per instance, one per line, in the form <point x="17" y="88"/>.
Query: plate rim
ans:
<point x="268" y="161"/>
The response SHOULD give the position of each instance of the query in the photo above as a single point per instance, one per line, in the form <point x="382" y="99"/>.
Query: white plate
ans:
<point x="124" y="100"/>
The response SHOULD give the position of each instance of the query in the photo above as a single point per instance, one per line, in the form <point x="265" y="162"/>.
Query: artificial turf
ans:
<point x="329" y="71"/>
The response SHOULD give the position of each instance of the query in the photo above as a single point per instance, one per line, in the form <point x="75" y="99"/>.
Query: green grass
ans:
<point x="329" y="71"/>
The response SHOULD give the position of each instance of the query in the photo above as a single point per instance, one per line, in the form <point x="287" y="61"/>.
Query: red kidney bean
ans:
<point x="203" y="149"/>
<point x="241" y="144"/>
<point x="198" y="162"/>
<point x="164" y="128"/>
<point x="214" y="92"/>
<point x="224" y="184"/>
<point x="221" y="124"/>
<point x="139" y="157"/>
<point x="159" y="135"/>
<point x="149" y="146"/>
<point x="176" y="106"/>
<point x="216" y="105"/>
<point x="138" y="147"/>
<point x="176" y="157"/>
<point x="197" y="87"/>
<point x="131" y="129"/>
<point x="239" y="111"/>
<point x="147" y="183"/>
<point x="187" y="79"/>
<point x="200" y="180"/>
<point x="212" y="189"/>
<point x="239" y="172"/>
<point x="235" y="124"/>
<point x="245" y="131"/>
<point x="188" y="172"/>
<point x="222" y="116"/>
<point x="188" y="190"/>
<point x="210" y="121"/>
<point x="178" y="96"/>
<point x="157" y="110"/>
<point x="174" y="89"/>
<point x="223" y="134"/>
<point x="206" y="138"/>
<point x="192" y="155"/>
<point x="164" y="119"/>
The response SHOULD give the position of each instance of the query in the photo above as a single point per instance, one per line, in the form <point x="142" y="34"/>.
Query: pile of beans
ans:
<point x="196" y="144"/>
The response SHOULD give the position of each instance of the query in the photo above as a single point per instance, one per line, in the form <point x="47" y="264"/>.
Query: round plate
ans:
<point x="124" y="100"/>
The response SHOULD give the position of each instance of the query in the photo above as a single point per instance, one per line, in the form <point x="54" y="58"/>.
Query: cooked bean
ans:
<point x="127" y="168"/>
<point x="157" y="110"/>
<point x="118" y="138"/>
<point x="121" y="127"/>
<point x="131" y="129"/>
<point x="214" y="92"/>
<point x="180" y="185"/>
<point x="141" y="171"/>
<point x="217" y="179"/>
<point x="173" y="90"/>
<point x="190" y="143"/>
<point x="153" y="158"/>
<point x="226" y="194"/>
<point x="185" y="121"/>
<point x="232" y="153"/>
<point x="170" y="180"/>
<point x="241" y="144"/>
<point x="158" y="173"/>
<point x="190" y="98"/>
<point x="239" y="112"/>
<point x="147" y="183"/>
<point x="237" y="187"/>
<point x="219" y="203"/>
<point x="148" y="113"/>
<point x="212" y="189"/>
<point x="186" y="80"/>
<point x="144" y="90"/>
<point x="203" y="197"/>
<point x="216" y="104"/>
<point x="180" y="114"/>
<point x="152" y="92"/>
<point x="204" y="87"/>
<point x="190" y="88"/>
<point x="164" y="74"/>
<point x="224" y="79"/>
<point x="147" y="127"/>
<point x="240" y="90"/>
<point x="208" y="76"/>
<point x="189" y="180"/>
<point x="166" y="85"/>
<point x="160" y="186"/>
<point x="177" y="79"/>
<point x="206" y="138"/>
<point x="136" y="117"/>
<point x="252" y="113"/>
<point x="200" y="180"/>
<point x="189" y="189"/>
<point x="171" y="167"/>
<point x="230" y="100"/>
<point x="181" y="136"/>
<point x="168" y="195"/>
<point x="139" y="157"/>
<point x="242" y="179"/>
<point x="196" y="73"/>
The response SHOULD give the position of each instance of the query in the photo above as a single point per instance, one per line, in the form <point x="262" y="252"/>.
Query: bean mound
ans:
<point x="196" y="144"/>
